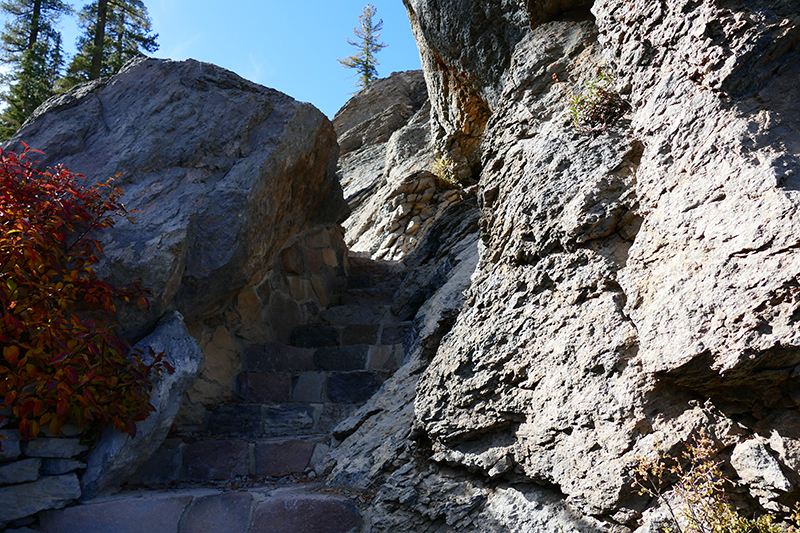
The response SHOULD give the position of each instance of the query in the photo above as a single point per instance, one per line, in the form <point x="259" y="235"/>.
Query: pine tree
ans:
<point x="368" y="45"/>
<point x="114" y="31"/>
<point x="31" y="44"/>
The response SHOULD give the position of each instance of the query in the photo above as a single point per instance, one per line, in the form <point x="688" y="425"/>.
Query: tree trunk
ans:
<point x="99" y="39"/>
<point x="37" y="14"/>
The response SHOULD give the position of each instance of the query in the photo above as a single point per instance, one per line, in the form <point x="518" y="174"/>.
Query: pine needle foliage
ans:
<point x="368" y="44"/>
<point x="114" y="31"/>
<point x="31" y="46"/>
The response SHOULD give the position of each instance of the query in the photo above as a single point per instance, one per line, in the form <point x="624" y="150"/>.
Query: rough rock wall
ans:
<point x="636" y="285"/>
<point x="236" y="204"/>
<point x="221" y="172"/>
<point x="385" y="167"/>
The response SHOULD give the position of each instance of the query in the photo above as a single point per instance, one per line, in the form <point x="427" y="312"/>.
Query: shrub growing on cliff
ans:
<point x="61" y="358"/>
<point x="599" y="107"/>
<point x="444" y="168"/>
<point x="701" y="491"/>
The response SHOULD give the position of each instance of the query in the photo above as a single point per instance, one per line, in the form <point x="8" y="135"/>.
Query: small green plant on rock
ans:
<point x="701" y="491"/>
<point x="599" y="107"/>
<point x="444" y="168"/>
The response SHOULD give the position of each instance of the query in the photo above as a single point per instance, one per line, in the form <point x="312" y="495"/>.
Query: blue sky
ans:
<point x="289" y="46"/>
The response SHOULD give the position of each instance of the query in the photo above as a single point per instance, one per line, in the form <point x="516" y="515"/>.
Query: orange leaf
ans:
<point x="11" y="354"/>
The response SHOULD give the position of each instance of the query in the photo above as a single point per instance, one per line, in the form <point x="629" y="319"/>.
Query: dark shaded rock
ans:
<point x="264" y="387"/>
<point x="56" y="448"/>
<point x="332" y="415"/>
<point x="50" y="492"/>
<point x="56" y="467"/>
<point x="146" y="514"/>
<point x="215" y="459"/>
<point x="229" y="513"/>
<point x="352" y="387"/>
<point x="283" y="457"/>
<point x="345" y="315"/>
<point x="342" y="357"/>
<point x="396" y="334"/>
<point x="117" y="455"/>
<point x="20" y="471"/>
<point x="276" y="357"/>
<point x="314" y="335"/>
<point x="308" y="387"/>
<point x="164" y="466"/>
<point x="236" y="419"/>
<point x="9" y="444"/>
<point x="290" y="513"/>
<point x="360" y="334"/>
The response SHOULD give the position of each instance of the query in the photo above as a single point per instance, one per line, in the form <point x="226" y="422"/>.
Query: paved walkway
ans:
<point x="294" y="508"/>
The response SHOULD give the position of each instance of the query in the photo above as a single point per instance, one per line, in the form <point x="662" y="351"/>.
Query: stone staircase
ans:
<point x="259" y="452"/>
<point x="290" y="397"/>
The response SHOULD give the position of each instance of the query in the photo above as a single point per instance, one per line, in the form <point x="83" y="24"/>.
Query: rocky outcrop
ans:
<point x="385" y="167"/>
<point x="117" y="455"/>
<point x="219" y="173"/>
<point x="235" y="204"/>
<point x="636" y="283"/>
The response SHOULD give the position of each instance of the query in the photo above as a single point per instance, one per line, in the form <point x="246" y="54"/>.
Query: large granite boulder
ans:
<point x="218" y="172"/>
<point x="637" y="284"/>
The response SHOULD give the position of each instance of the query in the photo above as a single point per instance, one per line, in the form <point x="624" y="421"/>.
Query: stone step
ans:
<point x="370" y="296"/>
<point x="376" y="270"/>
<point x="224" y="459"/>
<point x="293" y="508"/>
<point x="322" y="384"/>
<point x="346" y="315"/>
<point x="316" y="336"/>
<point x="346" y="390"/>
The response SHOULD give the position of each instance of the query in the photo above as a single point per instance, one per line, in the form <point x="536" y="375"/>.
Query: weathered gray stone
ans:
<point x="289" y="513"/>
<point x="242" y="169"/>
<point x="352" y="387"/>
<point x="754" y="465"/>
<point x="623" y="274"/>
<point x="118" y="455"/>
<point x="55" y="467"/>
<point x="50" y="492"/>
<point x="216" y="459"/>
<point x="142" y="514"/>
<point x="53" y="447"/>
<point x="290" y="419"/>
<point x="9" y="444"/>
<point x="228" y="513"/>
<point x="21" y="471"/>
<point x="282" y="457"/>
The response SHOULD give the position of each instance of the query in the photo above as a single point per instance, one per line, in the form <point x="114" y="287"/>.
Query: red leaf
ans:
<point x="61" y="410"/>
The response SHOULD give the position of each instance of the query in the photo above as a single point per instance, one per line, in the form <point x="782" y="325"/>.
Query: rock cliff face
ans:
<point x="385" y="167"/>
<point x="637" y="280"/>
<point x="236" y="204"/>
<point x="221" y="173"/>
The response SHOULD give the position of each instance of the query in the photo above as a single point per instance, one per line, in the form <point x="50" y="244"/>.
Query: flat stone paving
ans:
<point x="297" y="508"/>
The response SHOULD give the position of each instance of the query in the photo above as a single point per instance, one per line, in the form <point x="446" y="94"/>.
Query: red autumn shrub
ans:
<point x="61" y="358"/>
